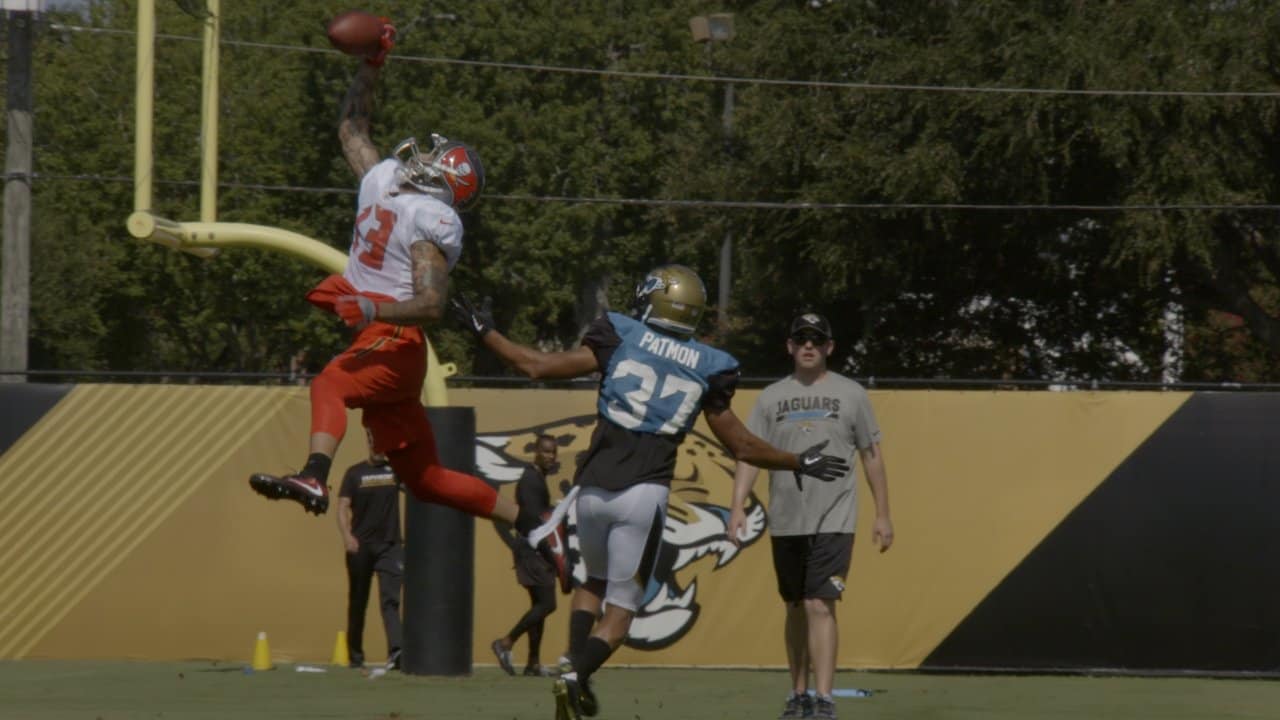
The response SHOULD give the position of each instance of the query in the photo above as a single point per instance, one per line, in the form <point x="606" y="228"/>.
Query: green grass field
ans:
<point x="44" y="690"/>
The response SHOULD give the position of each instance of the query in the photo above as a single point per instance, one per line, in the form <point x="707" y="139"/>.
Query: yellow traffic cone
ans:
<point x="340" y="656"/>
<point x="261" y="653"/>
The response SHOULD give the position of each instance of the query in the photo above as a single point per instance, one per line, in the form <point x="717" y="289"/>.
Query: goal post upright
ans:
<point x="144" y="105"/>
<point x="209" y="114"/>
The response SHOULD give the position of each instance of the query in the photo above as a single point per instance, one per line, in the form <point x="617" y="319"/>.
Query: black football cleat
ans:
<point x="308" y="492"/>
<point x="565" y="708"/>
<point x="578" y="697"/>
<point x="563" y="711"/>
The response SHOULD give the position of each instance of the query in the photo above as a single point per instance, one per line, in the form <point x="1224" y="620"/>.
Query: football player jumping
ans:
<point x="407" y="236"/>
<point x="655" y="378"/>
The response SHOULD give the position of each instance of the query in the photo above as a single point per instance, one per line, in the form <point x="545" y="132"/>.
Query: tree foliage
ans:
<point x="918" y="282"/>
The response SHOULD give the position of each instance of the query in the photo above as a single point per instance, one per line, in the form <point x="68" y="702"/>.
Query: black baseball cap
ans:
<point x="813" y="322"/>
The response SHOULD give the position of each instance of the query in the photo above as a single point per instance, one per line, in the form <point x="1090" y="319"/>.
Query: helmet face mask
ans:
<point x="671" y="298"/>
<point x="450" y="171"/>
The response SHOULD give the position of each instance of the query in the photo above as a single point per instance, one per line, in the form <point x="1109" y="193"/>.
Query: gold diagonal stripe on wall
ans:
<point x="17" y="467"/>
<point x="145" y="467"/>
<point x="85" y="507"/>
<point x="195" y="411"/>
<point x="125" y="533"/>
<point x="163" y="494"/>
<point x="94" y="512"/>
<point x="78" y="485"/>
<point x="78" y="478"/>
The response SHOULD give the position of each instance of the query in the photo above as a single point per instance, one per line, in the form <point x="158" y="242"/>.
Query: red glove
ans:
<point x="356" y="311"/>
<point x="387" y="41"/>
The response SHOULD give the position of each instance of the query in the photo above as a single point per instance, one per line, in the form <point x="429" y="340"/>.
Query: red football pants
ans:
<point x="382" y="373"/>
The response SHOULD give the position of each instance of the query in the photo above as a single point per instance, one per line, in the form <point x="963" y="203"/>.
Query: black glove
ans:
<point x="477" y="320"/>
<point x="826" y="468"/>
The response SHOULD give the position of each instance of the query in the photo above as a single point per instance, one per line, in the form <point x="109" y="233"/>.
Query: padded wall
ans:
<point x="1034" y="530"/>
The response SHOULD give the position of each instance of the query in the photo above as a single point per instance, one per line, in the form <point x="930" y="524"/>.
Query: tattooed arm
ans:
<point x="353" y="122"/>
<point x="430" y="289"/>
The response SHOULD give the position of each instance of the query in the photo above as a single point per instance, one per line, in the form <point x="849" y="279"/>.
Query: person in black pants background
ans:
<point x="534" y="572"/>
<point x="369" y="521"/>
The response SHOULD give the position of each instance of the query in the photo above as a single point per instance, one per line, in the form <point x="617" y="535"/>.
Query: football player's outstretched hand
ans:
<point x="385" y="42"/>
<point x="356" y="310"/>
<point x="824" y="467"/>
<point x="478" y="320"/>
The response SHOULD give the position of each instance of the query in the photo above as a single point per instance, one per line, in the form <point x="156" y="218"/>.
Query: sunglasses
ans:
<point x="809" y="337"/>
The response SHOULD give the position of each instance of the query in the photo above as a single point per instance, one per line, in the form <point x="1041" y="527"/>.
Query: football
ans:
<point x="356" y="32"/>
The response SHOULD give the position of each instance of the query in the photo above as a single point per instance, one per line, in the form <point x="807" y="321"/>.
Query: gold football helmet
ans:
<point x="671" y="298"/>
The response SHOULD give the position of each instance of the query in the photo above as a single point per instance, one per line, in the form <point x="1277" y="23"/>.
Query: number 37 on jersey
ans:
<point x="656" y="383"/>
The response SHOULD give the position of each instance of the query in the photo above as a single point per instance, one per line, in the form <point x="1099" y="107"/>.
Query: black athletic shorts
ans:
<point x="531" y="569"/>
<point x="812" y="566"/>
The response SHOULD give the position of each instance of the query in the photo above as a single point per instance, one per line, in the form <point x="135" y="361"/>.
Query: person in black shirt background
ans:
<point x="534" y="572"/>
<point x="369" y="521"/>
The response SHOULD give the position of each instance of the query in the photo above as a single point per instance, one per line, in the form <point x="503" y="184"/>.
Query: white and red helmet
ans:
<point x="451" y="171"/>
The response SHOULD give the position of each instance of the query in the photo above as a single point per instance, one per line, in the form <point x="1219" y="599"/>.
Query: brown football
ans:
<point x="356" y="32"/>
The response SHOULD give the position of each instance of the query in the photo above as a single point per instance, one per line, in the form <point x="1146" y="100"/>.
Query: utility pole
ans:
<point x="726" y="245"/>
<point x="15" y="254"/>
<point x="711" y="29"/>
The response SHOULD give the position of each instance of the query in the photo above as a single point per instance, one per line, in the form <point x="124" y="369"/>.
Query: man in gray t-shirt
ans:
<point x="811" y="523"/>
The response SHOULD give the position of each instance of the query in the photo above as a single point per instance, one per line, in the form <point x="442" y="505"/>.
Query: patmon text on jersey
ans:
<point x="671" y="349"/>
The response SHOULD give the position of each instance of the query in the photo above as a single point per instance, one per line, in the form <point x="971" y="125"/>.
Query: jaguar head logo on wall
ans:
<point x="697" y="517"/>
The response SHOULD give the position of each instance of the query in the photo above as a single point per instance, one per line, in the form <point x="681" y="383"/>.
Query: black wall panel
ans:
<point x="1172" y="563"/>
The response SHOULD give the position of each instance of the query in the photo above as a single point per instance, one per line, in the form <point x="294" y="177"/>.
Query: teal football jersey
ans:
<point x="655" y="383"/>
<point x="652" y="387"/>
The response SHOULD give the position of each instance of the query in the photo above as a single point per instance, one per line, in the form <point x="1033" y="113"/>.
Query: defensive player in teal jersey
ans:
<point x="655" y="379"/>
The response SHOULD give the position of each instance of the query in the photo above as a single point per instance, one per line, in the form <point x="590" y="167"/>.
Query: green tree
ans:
<point x="915" y="291"/>
<point x="969" y="293"/>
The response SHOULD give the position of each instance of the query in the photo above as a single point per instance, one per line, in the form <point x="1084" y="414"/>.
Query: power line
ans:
<point x="653" y="75"/>
<point x="717" y="204"/>
<point x="83" y="177"/>
<point x="765" y="205"/>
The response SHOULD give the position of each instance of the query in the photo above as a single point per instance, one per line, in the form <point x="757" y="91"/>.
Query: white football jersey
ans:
<point x="388" y="220"/>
